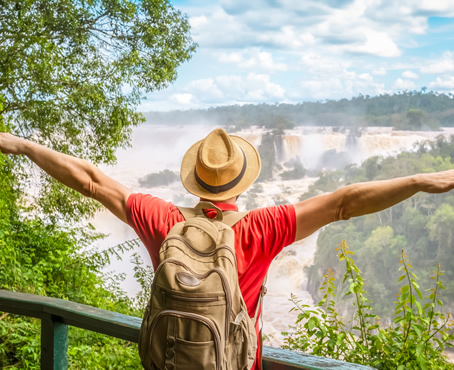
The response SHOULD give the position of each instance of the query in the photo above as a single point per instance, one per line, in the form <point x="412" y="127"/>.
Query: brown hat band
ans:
<point x="225" y="187"/>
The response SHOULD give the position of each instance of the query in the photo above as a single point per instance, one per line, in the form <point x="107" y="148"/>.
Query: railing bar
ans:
<point x="127" y="327"/>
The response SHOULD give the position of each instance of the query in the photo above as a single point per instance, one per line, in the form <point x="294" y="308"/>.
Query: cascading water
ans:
<point x="155" y="148"/>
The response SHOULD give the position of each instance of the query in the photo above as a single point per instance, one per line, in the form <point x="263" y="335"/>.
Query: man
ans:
<point x="219" y="168"/>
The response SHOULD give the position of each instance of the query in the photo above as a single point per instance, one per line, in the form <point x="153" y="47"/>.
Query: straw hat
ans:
<point x="220" y="167"/>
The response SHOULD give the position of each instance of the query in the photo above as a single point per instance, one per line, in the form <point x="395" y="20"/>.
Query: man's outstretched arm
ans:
<point x="75" y="173"/>
<point x="364" y="198"/>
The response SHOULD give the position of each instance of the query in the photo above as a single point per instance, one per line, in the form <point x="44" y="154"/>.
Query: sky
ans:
<point x="290" y="51"/>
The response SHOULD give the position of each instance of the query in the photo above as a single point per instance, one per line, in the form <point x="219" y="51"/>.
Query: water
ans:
<point x="155" y="148"/>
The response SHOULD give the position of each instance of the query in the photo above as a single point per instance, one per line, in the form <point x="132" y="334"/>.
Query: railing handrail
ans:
<point x="73" y="314"/>
<point x="56" y="314"/>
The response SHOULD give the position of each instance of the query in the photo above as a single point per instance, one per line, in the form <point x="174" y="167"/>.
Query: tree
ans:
<point x="73" y="72"/>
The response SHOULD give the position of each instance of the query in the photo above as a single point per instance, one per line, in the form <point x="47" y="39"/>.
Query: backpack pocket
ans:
<point x="244" y="341"/>
<point x="183" y="340"/>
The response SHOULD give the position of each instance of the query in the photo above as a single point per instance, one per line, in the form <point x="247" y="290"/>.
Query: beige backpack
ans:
<point x="196" y="318"/>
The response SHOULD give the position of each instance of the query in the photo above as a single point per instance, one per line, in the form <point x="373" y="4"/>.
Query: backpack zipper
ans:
<point x="199" y="276"/>
<point x="207" y="322"/>
<point x="182" y="297"/>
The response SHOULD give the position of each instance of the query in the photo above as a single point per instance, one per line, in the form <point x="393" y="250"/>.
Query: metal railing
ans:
<point x="57" y="314"/>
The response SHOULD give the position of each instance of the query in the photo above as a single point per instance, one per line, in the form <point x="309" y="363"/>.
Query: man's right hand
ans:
<point x="10" y="144"/>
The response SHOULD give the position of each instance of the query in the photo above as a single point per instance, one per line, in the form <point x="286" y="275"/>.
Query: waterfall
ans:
<point x="155" y="148"/>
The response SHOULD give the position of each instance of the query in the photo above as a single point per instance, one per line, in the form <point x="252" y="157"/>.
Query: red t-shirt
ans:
<point x="259" y="237"/>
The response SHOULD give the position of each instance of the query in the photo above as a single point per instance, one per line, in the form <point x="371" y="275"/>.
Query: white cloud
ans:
<point x="444" y="65"/>
<point x="376" y="43"/>
<point x="253" y="59"/>
<point x="198" y="22"/>
<point x="317" y="63"/>
<point x="365" y="77"/>
<point x="435" y="7"/>
<point x="260" y="88"/>
<point x="341" y="84"/>
<point x="443" y="83"/>
<point x="379" y="71"/>
<point x="182" y="98"/>
<point x="411" y="75"/>
<point x="233" y="57"/>
<point x="230" y="89"/>
<point x="287" y="37"/>
<point x="322" y="49"/>
<point x="205" y="86"/>
<point x="401" y="84"/>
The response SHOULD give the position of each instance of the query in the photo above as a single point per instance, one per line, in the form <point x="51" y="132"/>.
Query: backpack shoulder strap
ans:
<point x="232" y="217"/>
<point x="187" y="212"/>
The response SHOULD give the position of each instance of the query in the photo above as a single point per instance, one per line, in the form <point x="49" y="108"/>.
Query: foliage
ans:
<point x="267" y="153"/>
<point x="160" y="178"/>
<point x="422" y="225"/>
<point x="298" y="171"/>
<point x="415" y="340"/>
<point x="43" y="258"/>
<point x="414" y="119"/>
<point x="413" y="110"/>
<point x="73" y="72"/>
<point x="71" y="76"/>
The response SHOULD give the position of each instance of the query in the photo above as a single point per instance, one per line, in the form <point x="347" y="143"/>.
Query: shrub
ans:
<point x="415" y="340"/>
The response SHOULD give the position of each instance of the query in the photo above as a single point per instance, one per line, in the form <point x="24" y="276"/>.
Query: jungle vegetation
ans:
<point x="421" y="225"/>
<point x="407" y="110"/>
<point x="64" y="66"/>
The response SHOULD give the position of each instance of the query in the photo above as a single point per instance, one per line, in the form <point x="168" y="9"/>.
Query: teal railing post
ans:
<point x="54" y="343"/>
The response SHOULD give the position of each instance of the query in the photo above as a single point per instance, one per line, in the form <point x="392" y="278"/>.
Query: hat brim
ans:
<point x="252" y="172"/>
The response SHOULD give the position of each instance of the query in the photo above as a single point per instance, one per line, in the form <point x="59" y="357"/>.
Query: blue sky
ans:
<point x="288" y="51"/>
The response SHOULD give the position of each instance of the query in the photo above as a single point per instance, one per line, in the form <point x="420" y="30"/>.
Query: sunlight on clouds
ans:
<point x="443" y="84"/>
<point x="377" y="43"/>
<point x="411" y="75"/>
<point x="401" y="84"/>
<point x="379" y="72"/>
<point x="316" y="63"/>
<point x="198" y="22"/>
<point x="433" y="7"/>
<point x="312" y="50"/>
<point x="205" y="86"/>
<point x="444" y="65"/>
<point x="253" y="58"/>
<point x="236" y="89"/>
<point x="345" y="84"/>
<point x="286" y="37"/>
<point x="182" y="98"/>
<point x="365" y="77"/>
<point x="260" y="86"/>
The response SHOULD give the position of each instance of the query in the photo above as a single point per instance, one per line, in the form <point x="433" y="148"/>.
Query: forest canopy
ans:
<point x="414" y="110"/>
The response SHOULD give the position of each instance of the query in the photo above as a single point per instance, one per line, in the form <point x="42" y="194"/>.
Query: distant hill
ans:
<point x="415" y="110"/>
